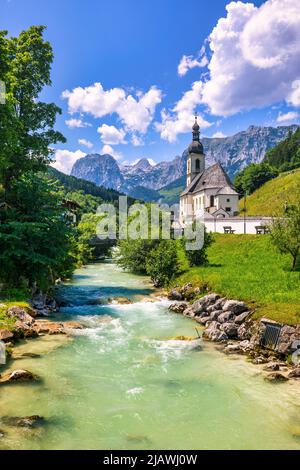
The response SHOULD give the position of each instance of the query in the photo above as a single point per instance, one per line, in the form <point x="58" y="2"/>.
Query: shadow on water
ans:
<point x="72" y="295"/>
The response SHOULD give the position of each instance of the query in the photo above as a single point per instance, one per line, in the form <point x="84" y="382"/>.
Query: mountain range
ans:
<point x="151" y="182"/>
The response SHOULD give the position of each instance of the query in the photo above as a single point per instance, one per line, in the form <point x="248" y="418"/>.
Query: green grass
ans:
<point x="247" y="267"/>
<point x="270" y="198"/>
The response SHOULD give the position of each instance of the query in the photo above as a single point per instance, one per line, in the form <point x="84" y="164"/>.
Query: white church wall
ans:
<point x="237" y="224"/>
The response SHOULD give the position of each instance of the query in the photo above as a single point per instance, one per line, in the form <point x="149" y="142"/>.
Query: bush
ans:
<point x="162" y="263"/>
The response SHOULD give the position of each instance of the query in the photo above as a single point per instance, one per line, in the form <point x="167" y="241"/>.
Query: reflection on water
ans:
<point x="122" y="383"/>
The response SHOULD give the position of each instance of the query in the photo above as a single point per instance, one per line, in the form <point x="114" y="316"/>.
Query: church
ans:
<point x="208" y="190"/>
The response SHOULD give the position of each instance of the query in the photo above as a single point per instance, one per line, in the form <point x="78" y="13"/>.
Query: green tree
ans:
<point x="285" y="233"/>
<point x="26" y="123"/>
<point x="162" y="263"/>
<point x="199" y="257"/>
<point x="36" y="244"/>
<point x="253" y="176"/>
<point x="286" y="154"/>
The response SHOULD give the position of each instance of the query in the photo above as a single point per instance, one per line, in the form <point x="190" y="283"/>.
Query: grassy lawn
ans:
<point x="247" y="267"/>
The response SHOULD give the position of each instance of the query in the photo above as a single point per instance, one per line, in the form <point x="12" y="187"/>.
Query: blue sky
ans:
<point x="131" y="73"/>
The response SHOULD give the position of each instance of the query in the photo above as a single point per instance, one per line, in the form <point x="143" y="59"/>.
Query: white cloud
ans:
<point x="111" y="151"/>
<point x="86" y="143"/>
<point x="218" y="135"/>
<point x="111" y="135"/>
<point x="136" y="113"/>
<point x="73" y="123"/>
<point x="188" y="62"/>
<point x="294" y="95"/>
<point x="255" y="57"/>
<point x="136" y="140"/>
<point x="181" y="118"/>
<point x="65" y="159"/>
<point x="287" y="117"/>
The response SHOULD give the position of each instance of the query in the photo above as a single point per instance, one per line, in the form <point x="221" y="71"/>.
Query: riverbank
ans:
<point x="126" y="381"/>
<point x="232" y="324"/>
<point x="248" y="268"/>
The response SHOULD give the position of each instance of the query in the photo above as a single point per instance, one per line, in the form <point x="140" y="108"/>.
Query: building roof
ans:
<point x="226" y="191"/>
<point x="212" y="177"/>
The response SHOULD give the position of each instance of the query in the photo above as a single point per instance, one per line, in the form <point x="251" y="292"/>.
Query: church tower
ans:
<point x="196" y="159"/>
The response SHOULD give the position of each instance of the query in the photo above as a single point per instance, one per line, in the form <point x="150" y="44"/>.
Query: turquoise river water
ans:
<point x="124" y="383"/>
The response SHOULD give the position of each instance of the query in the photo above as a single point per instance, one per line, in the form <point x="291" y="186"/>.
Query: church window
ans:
<point x="212" y="201"/>
<point x="227" y="200"/>
<point x="197" y="162"/>
<point x="228" y="209"/>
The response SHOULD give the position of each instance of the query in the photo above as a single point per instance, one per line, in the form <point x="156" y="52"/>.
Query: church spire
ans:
<point x="196" y="130"/>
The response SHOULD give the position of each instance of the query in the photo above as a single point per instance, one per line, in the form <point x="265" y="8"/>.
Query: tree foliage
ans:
<point x="253" y="176"/>
<point x="286" y="154"/>
<point x="285" y="233"/>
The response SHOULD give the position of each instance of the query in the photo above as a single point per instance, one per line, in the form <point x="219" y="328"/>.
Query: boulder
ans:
<point x="19" y="375"/>
<point x="174" y="294"/>
<point x="203" y="320"/>
<point x="276" y="377"/>
<point x="214" y="333"/>
<point x="260" y="360"/>
<point x="230" y="329"/>
<point x="245" y="345"/>
<point x="74" y="325"/>
<point x="234" y="306"/>
<point x="5" y="335"/>
<point x="189" y="312"/>
<point x="242" y="317"/>
<point x="179" y="307"/>
<point x="225" y="317"/>
<point x="232" y="349"/>
<point x="272" y="366"/>
<point x="214" y="314"/>
<point x="295" y="373"/>
<point x="23" y="422"/>
<point x="287" y="342"/>
<point x="200" y="305"/>
<point x="47" y="327"/>
<point x="20" y="315"/>
<point x="121" y="300"/>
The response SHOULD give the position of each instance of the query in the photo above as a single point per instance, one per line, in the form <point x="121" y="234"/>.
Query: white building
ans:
<point x="208" y="190"/>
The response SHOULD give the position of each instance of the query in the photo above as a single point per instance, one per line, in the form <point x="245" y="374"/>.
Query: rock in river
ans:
<point x="19" y="375"/>
<point x="24" y="422"/>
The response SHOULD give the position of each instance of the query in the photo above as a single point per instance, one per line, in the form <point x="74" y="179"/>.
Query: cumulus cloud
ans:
<point x="111" y="151"/>
<point x="86" y="143"/>
<point x="293" y="97"/>
<point x="180" y="119"/>
<point x="135" y="112"/>
<point x="188" y="62"/>
<point x="287" y="117"/>
<point x="65" y="159"/>
<point x="73" y="123"/>
<point x="111" y="135"/>
<point x="218" y="135"/>
<point x="255" y="57"/>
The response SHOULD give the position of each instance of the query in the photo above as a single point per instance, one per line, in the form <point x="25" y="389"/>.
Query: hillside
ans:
<point x="269" y="199"/>
<point x="170" y="193"/>
<point x="248" y="267"/>
<point x="71" y="183"/>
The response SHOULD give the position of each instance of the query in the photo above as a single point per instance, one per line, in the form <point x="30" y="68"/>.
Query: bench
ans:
<point x="262" y="229"/>
<point x="228" y="229"/>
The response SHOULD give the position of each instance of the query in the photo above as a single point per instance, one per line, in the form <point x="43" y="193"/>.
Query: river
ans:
<point x="124" y="383"/>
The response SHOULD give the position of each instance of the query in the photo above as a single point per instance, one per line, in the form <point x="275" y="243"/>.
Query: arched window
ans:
<point x="197" y="163"/>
